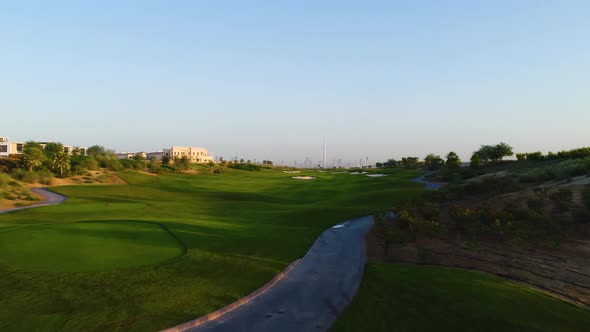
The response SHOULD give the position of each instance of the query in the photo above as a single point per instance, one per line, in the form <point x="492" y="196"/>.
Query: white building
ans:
<point x="129" y="155"/>
<point x="7" y="147"/>
<point x="4" y="147"/>
<point x="155" y="155"/>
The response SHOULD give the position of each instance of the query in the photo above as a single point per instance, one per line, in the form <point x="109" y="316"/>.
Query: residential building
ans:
<point x="4" y="147"/>
<point x="124" y="155"/>
<point x="7" y="147"/>
<point x="195" y="154"/>
<point x="154" y="155"/>
<point x="130" y="155"/>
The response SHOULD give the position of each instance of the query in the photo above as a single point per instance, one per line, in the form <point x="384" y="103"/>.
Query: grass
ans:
<point x="404" y="297"/>
<point x="98" y="261"/>
<point x="88" y="246"/>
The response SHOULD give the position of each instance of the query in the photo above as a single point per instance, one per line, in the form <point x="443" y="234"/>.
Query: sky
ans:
<point x="271" y="79"/>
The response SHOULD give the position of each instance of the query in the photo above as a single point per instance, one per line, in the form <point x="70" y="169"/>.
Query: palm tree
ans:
<point x="61" y="162"/>
<point x="33" y="157"/>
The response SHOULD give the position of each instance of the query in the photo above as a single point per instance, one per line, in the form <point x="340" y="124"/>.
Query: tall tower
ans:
<point x="324" y="156"/>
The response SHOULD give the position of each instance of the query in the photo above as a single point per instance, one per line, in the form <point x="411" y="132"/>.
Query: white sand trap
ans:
<point x="376" y="175"/>
<point x="292" y="172"/>
<point x="357" y="173"/>
<point x="339" y="172"/>
<point x="304" y="177"/>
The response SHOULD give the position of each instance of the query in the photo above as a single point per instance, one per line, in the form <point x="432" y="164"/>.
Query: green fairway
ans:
<point x="399" y="297"/>
<point x="87" y="246"/>
<point x="123" y="272"/>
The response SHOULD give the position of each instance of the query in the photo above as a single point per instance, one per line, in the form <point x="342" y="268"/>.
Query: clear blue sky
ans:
<point x="269" y="79"/>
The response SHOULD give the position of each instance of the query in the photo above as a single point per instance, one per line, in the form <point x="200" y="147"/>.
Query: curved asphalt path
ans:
<point x="309" y="296"/>
<point x="429" y="185"/>
<point x="49" y="198"/>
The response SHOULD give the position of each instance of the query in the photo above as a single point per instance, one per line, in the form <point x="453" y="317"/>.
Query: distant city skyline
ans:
<point x="269" y="80"/>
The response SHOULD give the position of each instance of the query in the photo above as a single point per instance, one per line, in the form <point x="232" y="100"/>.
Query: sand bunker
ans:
<point x="376" y="175"/>
<point x="291" y="172"/>
<point x="357" y="173"/>
<point x="304" y="177"/>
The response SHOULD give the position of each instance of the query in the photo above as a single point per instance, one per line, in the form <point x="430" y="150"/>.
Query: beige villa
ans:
<point x="195" y="154"/>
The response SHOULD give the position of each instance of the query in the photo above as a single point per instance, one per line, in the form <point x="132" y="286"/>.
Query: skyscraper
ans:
<point x="324" y="156"/>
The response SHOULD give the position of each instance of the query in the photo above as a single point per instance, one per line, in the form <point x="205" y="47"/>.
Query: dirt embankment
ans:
<point x="563" y="272"/>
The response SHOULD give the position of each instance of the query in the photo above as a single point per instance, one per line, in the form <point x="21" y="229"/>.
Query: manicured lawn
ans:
<point x="101" y="262"/>
<point x="87" y="246"/>
<point x="400" y="297"/>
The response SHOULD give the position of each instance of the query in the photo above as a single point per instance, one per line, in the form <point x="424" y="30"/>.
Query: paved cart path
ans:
<point x="308" y="296"/>
<point x="49" y="198"/>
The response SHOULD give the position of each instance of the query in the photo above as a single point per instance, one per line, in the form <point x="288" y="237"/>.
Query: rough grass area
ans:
<point x="401" y="297"/>
<point x="240" y="228"/>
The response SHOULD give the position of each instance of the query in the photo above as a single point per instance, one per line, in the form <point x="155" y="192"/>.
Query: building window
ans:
<point x="3" y="148"/>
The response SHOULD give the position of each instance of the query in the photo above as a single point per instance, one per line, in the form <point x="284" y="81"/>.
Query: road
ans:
<point x="308" y="296"/>
<point x="49" y="198"/>
<point x="429" y="185"/>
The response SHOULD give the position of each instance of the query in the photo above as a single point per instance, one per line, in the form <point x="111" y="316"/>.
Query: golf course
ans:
<point x="161" y="250"/>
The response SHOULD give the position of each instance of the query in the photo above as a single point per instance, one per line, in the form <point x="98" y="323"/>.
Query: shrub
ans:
<point x="462" y="217"/>
<point x="491" y="186"/>
<point x="535" y="204"/>
<point x="563" y="198"/>
<point x="89" y="163"/>
<point x="4" y="180"/>
<point x="244" y="166"/>
<point x="582" y="216"/>
<point x="45" y="177"/>
<point x="25" y="176"/>
<point x="586" y="197"/>
<point x="9" y="196"/>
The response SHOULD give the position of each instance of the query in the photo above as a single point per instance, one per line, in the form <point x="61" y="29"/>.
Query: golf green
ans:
<point x="88" y="246"/>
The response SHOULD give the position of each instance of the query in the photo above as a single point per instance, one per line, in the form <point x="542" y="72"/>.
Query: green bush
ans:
<point x="491" y="185"/>
<point x="245" y="166"/>
<point x="562" y="171"/>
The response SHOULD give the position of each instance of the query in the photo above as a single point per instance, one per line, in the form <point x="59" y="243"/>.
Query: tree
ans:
<point x="390" y="163"/>
<point x="165" y="160"/>
<point x="453" y="160"/>
<point x="96" y="151"/>
<point x="154" y="165"/>
<point x="61" y="162"/>
<point x="140" y="162"/>
<point x="433" y="162"/>
<point x="33" y="155"/>
<point x="182" y="164"/>
<point x="52" y="148"/>
<point x="410" y="162"/>
<point x="500" y="151"/>
<point x="487" y="153"/>
<point x="475" y="160"/>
